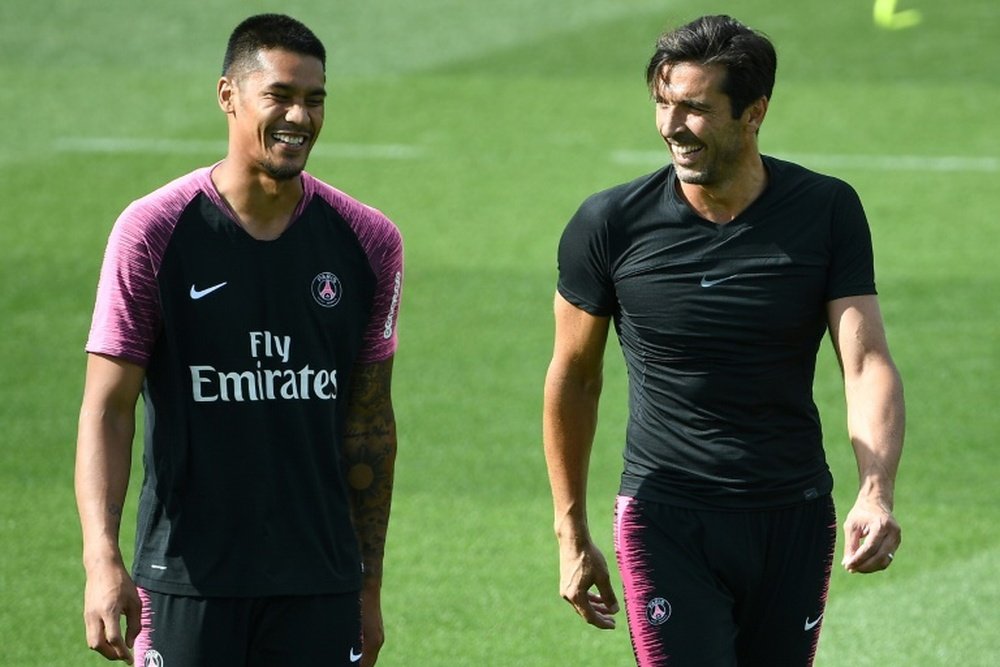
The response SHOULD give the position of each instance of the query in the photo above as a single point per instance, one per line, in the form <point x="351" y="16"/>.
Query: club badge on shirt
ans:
<point x="326" y="289"/>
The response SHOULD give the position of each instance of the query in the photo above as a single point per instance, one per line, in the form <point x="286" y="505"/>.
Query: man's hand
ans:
<point x="872" y="536"/>
<point x="582" y="567"/>
<point x="109" y="595"/>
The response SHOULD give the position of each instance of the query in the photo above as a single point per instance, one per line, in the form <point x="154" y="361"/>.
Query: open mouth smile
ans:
<point x="294" y="140"/>
<point x="685" y="152"/>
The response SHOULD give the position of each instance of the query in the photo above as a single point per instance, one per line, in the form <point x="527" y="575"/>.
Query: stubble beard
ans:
<point x="281" y="172"/>
<point x="719" y="167"/>
<point x="692" y="177"/>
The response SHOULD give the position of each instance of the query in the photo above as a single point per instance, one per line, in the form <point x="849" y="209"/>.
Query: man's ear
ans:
<point x="755" y="113"/>
<point x="225" y="92"/>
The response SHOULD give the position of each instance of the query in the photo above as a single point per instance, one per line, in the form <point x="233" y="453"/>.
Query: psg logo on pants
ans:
<point x="657" y="611"/>
<point x="326" y="289"/>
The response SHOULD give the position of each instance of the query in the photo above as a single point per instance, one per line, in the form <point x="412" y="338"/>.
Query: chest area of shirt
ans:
<point x="744" y="281"/>
<point x="303" y="298"/>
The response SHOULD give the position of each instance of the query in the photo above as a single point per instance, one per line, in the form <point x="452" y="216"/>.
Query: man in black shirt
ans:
<point x="721" y="272"/>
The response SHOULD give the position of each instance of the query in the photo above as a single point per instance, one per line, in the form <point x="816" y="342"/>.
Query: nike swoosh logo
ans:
<point x="355" y="657"/>
<point x="199" y="293"/>
<point x="812" y="624"/>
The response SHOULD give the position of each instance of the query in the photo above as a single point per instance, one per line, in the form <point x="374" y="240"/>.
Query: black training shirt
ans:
<point x="720" y="326"/>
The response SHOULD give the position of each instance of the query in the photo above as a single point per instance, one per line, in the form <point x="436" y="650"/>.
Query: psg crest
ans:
<point x="326" y="289"/>
<point x="658" y="611"/>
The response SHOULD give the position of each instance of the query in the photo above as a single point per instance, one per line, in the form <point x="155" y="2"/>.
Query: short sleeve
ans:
<point x="852" y="264"/>
<point x="384" y="246"/>
<point x="584" y="267"/>
<point x="127" y="314"/>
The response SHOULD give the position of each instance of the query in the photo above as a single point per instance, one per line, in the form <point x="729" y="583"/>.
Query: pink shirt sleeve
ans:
<point x="126" y="316"/>
<point x="383" y="245"/>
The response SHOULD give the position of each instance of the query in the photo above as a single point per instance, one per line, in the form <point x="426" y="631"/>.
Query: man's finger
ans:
<point x="133" y="623"/>
<point x="116" y="644"/>
<point x="596" y="610"/>
<point x="877" y="551"/>
<point x="607" y="595"/>
<point x="853" y="545"/>
<point x="597" y="619"/>
<point x="104" y="637"/>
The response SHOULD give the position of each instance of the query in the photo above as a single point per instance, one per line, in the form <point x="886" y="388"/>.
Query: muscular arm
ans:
<point x="103" y="461"/>
<point x="370" y="456"/>
<point x="875" y="421"/>
<point x="572" y="391"/>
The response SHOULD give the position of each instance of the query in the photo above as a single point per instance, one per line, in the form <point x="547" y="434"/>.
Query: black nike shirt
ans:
<point x="249" y="348"/>
<point x="720" y="326"/>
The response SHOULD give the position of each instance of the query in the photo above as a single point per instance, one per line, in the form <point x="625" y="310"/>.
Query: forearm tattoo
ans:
<point x="370" y="456"/>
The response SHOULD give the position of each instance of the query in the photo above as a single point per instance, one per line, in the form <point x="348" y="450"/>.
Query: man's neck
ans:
<point x="721" y="203"/>
<point x="261" y="204"/>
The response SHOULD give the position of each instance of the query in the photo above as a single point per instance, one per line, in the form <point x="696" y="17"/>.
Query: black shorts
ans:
<point x="180" y="631"/>
<point x="711" y="588"/>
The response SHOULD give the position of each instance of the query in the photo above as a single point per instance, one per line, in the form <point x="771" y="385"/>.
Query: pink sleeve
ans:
<point x="383" y="244"/>
<point x="126" y="316"/>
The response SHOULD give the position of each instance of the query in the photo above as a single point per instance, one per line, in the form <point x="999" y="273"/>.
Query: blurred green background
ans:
<point x="478" y="127"/>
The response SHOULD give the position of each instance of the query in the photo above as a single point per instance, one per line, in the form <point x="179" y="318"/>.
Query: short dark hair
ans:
<point x="269" y="31"/>
<point x="747" y="55"/>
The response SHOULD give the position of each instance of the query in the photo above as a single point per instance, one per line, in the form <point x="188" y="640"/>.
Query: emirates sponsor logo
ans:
<point x="259" y="383"/>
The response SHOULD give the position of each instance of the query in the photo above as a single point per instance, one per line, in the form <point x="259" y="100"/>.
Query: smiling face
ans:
<point x="275" y="112"/>
<point x="708" y="146"/>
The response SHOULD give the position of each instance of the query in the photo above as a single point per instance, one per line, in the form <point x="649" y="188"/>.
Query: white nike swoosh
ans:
<point x="199" y="293"/>
<point x="355" y="657"/>
<point x="705" y="282"/>
<point x="812" y="624"/>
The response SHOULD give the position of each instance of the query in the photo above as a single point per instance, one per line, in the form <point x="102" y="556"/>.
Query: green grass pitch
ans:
<point x="479" y="127"/>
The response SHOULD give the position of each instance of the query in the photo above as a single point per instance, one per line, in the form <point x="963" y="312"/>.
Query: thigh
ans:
<point x="781" y="622"/>
<point x="181" y="631"/>
<point x="307" y="630"/>
<point x="678" y="612"/>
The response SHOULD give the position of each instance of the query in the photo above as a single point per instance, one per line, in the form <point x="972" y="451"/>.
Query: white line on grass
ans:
<point x="190" y="146"/>
<point x="865" y="162"/>
<point x="948" y="163"/>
